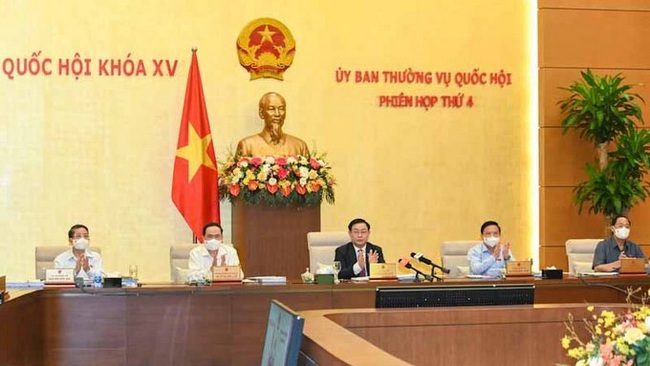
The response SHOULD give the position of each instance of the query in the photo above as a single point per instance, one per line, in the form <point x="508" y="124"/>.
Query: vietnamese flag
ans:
<point x="194" y="185"/>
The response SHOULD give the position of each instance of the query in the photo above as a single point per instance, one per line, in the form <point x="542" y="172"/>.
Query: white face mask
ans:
<point x="212" y="244"/>
<point x="491" y="241"/>
<point x="80" y="244"/>
<point x="622" y="232"/>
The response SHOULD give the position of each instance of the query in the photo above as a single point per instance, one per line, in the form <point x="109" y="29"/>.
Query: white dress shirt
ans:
<point x="201" y="260"/>
<point x="68" y="260"/>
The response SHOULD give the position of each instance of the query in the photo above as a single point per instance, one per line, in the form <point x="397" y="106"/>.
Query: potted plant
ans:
<point x="607" y="114"/>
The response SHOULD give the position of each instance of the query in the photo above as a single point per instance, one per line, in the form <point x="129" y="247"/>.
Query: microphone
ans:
<point x="425" y="260"/>
<point x="405" y="263"/>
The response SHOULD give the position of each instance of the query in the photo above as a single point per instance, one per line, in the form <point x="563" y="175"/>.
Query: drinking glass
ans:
<point x="133" y="270"/>
<point x="336" y="267"/>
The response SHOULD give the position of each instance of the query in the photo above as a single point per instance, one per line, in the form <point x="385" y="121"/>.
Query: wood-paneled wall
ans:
<point x="608" y="36"/>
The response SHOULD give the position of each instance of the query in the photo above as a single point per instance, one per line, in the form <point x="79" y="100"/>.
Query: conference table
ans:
<point x="222" y="324"/>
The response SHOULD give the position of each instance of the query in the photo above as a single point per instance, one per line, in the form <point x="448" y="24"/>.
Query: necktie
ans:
<point x="362" y="258"/>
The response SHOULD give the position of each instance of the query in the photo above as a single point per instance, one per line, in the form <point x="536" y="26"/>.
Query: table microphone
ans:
<point x="403" y="262"/>
<point x="425" y="260"/>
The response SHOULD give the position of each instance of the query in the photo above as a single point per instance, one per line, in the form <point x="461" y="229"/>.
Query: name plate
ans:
<point x="65" y="275"/>
<point x="518" y="268"/>
<point x="632" y="265"/>
<point x="226" y="274"/>
<point x="383" y="270"/>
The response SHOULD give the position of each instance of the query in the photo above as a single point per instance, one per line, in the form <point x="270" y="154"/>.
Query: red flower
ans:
<point x="285" y="191"/>
<point x="272" y="188"/>
<point x="234" y="190"/>
<point x="283" y="173"/>
<point x="314" y="163"/>
<point x="242" y="160"/>
<point x="300" y="189"/>
<point x="315" y="186"/>
<point x="281" y="160"/>
<point x="256" y="160"/>
<point x="252" y="185"/>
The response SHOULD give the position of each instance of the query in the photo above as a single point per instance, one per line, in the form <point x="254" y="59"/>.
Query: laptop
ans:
<point x="632" y="266"/>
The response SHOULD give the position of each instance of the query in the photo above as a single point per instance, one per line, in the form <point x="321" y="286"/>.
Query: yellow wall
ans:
<point x="99" y="150"/>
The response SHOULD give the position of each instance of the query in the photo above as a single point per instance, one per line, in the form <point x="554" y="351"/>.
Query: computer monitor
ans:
<point x="283" y="336"/>
<point x="461" y="295"/>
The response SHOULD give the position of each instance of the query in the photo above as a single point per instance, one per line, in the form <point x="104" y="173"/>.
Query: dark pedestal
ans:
<point x="272" y="241"/>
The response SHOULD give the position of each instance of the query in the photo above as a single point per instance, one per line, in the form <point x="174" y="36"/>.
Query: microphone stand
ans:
<point x="426" y="277"/>
<point x="433" y="275"/>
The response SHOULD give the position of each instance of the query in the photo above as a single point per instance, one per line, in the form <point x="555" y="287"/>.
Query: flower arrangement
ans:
<point x="277" y="180"/>
<point x="615" y="339"/>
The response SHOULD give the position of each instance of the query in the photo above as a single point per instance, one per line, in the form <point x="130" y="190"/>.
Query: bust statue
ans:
<point x="272" y="140"/>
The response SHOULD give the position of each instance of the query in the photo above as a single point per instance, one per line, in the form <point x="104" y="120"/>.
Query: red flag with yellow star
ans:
<point x="194" y="185"/>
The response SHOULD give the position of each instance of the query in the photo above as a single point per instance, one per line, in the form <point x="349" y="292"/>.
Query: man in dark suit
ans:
<point x="356" y="256"/>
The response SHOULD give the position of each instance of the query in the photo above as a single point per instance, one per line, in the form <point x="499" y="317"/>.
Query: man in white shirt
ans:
<point x="85" y="262"/>
<point x="212" y="253"/>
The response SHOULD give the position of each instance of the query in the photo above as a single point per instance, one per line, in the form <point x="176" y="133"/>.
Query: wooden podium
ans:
<point x="272" y="241"/>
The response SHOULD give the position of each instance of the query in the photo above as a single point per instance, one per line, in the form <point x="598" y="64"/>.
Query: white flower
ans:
<point x="269" y="159"/>
<point x="199" y="276"/>
<point x="273" y="181"/>
<point x="291" y="160"/>
<point x="633" y="335"/>
<point x="647" y="323"/>
<point x="303" y="171"/>
<point x="596" y="361"/>
<point x="303" y="181"/>
<point x="244" y="164"/>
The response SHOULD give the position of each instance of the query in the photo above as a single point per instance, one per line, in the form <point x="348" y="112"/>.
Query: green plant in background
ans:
<point x="606" y="114"/>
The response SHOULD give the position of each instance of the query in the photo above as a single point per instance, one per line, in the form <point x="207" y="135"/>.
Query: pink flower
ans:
<point x="314" y="163"/>
<point x="256" y="160"/>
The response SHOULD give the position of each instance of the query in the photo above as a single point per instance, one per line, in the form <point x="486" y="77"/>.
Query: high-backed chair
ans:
<point x="454" y="256"/>
<point x="580" y="254"/>
<point x="44" y="257"/>
<point x="322" y="245"/>
<point x="179" y="256"/>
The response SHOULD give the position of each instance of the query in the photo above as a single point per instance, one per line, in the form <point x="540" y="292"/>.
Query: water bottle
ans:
<point x="97" y="280"/>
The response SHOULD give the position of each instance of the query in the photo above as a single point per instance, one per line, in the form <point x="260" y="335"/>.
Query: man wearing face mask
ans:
<point x="489" y="258"/>
<point x="213" y="253"/>
<point x="85" y="262"/>
<point x="608" y="254"/>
